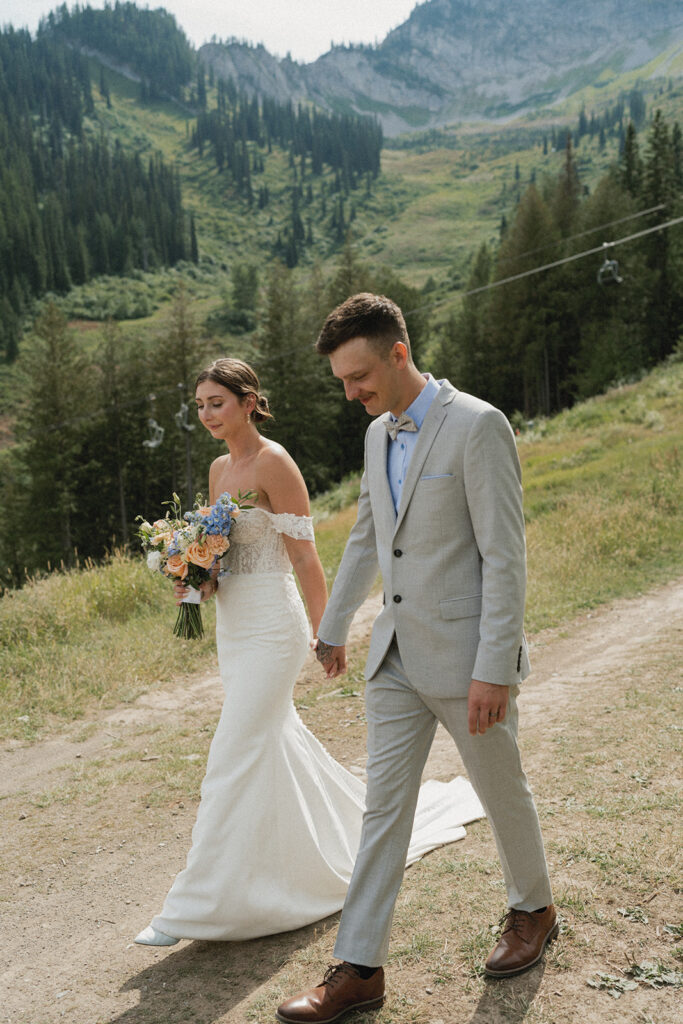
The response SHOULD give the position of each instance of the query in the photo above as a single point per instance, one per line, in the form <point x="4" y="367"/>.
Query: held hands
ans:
<point x="208" y="588"/>
<point x="332" y="659"/>
<point x="487" y="704"/>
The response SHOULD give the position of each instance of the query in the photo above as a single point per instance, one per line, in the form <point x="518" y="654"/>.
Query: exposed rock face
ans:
<point x="455" y="59"/>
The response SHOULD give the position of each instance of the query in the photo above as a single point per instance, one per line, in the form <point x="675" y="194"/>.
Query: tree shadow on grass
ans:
<point x="508" y="1000"/>
<point x="202" y="981"/>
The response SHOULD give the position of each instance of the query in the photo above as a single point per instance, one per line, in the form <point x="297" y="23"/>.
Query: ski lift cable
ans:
<point x="582" y="234"/>
<point x="547" y="266"/>
<point x="576" y="256"/>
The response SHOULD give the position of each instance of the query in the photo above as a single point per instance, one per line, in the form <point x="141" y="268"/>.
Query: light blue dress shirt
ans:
<point x="399" y="452"/>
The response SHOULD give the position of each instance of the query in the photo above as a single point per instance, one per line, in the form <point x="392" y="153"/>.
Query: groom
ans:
<point x="440" y="515"/>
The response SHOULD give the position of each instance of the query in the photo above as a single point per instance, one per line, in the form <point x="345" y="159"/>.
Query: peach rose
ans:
<point x="205" y="510"/>
<point x="216" y="544"/>
<point x="175" y="566"/>
<point x="161" y="538"/>
<point x="199" y="555"/>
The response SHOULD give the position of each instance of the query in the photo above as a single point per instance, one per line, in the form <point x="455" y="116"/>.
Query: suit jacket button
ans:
<point x="397" y="598"/>
<point x="398" y="552"/>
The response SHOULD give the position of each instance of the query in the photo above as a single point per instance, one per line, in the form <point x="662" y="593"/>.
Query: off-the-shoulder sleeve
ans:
<point x="297" y="527"/>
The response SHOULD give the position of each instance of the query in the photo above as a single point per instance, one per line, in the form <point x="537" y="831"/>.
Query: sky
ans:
<point x="304" y="28"/>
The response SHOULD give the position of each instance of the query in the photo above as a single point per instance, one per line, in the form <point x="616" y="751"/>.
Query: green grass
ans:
<point x="87" y="638"/>
<point x="603" y="492"/>
<point x="602" y="501"/>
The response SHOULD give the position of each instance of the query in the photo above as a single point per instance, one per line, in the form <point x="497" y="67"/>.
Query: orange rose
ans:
<point x="216" y="544"/>
<point x="199" y="555"/>
<point x="175" y="566"/>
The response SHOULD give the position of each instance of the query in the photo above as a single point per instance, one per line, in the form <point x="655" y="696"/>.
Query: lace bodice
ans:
<point x="256" y="540"/>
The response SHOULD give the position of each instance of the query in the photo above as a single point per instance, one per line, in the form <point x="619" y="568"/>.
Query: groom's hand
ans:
<point x="486" y="705"/>
<point x="332" y="659"/>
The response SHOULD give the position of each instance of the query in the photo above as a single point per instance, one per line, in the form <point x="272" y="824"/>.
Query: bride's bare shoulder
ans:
<point x="274" y="457"/>
<point x="217" y="467"/>
<point x="282" y="480"/>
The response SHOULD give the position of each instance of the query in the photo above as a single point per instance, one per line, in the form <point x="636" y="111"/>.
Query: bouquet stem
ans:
<point x="188" y="625"/>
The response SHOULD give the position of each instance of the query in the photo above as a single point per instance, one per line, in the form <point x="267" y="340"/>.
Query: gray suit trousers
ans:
<point x="401" y="727"/>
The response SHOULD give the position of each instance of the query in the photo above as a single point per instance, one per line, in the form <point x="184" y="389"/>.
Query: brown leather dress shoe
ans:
<point x="342" y="989"/>
<point x="525" y="936"/>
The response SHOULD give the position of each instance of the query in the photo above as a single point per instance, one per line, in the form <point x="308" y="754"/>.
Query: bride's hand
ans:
<point x="208" y="588"/>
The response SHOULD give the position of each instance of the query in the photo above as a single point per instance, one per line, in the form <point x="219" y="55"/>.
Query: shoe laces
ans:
<point x="516" y="921"/>
<point x="334" y="973"/>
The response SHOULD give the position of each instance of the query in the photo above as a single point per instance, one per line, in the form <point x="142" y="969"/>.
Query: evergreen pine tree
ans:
<point x="51" y="372"/>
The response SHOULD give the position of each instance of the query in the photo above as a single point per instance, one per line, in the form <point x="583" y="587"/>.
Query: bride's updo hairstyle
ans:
<point x="238" y="377"/>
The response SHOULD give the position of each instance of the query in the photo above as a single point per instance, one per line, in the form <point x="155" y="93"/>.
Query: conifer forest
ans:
<point x="96" y="402"/>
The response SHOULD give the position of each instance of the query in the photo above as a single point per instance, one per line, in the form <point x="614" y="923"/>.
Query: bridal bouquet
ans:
<point x="187" y="547"/>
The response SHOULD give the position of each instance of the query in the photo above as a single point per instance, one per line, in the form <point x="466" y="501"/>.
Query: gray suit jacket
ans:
<point x="453" y="558"/>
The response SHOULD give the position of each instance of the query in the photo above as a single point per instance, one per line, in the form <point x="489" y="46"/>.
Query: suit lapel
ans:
<point x="431" y="425"/>
<point x="380" y="492"/>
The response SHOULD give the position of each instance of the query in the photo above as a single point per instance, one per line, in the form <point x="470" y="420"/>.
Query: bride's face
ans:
<point x="219" y="410"/>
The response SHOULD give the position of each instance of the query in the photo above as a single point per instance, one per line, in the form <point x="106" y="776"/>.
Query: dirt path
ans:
<point x="91" y="838"/>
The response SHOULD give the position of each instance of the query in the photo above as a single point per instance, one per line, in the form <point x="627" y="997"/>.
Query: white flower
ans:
<point x="154" y="561"/>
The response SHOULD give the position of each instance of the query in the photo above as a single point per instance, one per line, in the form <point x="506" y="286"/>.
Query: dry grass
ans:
<point x="88" y="638"/>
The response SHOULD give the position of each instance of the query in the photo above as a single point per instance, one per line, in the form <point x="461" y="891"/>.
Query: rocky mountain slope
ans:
<point x="459" y="59"/>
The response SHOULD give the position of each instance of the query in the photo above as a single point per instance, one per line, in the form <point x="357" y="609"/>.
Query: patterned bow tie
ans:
<point x="404" y="422"/>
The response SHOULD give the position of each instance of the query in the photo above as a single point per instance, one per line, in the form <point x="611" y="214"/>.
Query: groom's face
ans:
<point x="369" y="376"/>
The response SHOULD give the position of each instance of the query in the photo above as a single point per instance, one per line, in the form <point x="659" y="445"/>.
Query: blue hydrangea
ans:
<point x="219" y="521"/>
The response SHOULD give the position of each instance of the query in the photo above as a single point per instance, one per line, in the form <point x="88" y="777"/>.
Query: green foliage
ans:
<point x="80" y="472"/>
<point x="337" y="498"/>
<point x="540" y="341"/>
<point x="70" y="207"/>
<point x="50" y="371"/>
<point x="298" y="384"/>
<point x="146" y="41"/>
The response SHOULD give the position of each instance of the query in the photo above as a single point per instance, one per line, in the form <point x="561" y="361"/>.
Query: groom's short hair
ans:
<point x="374" y="317"/>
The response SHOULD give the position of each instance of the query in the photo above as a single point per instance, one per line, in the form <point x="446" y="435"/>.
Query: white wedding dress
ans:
<point x="279" y="821"/>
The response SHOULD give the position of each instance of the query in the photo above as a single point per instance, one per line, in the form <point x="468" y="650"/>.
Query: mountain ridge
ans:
<point x="456" y="60"/>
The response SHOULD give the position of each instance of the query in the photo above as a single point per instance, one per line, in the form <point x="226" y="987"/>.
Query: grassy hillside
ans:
<point x="603" y="496"/>
<point x="439" y="196"/>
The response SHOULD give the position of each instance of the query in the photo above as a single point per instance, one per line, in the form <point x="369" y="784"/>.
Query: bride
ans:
<point x="279" y="821"/>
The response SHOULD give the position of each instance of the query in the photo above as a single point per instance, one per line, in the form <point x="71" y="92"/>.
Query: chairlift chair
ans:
<point x="609" y="271"/>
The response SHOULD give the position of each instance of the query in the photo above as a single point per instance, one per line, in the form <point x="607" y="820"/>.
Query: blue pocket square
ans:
<point x="437" y="476"/>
